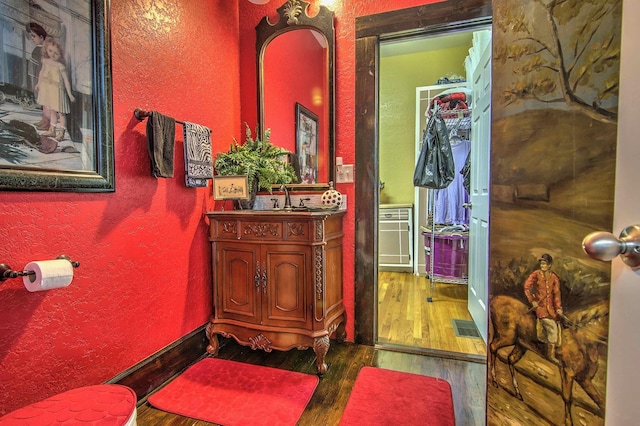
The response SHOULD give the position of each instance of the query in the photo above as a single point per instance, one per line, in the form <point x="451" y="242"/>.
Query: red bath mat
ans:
<point x="386" y="397"/>
<point x="233" y="393"/>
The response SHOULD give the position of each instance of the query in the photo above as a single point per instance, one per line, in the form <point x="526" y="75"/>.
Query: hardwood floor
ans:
<point x="345" y="360"/>
<point x="407" y="319"/>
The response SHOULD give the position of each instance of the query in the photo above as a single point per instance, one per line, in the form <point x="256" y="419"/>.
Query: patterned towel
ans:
<point x="198" y="164"/>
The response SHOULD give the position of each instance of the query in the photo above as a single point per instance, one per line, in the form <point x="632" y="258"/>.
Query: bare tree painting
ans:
<point x="568" y="53"/>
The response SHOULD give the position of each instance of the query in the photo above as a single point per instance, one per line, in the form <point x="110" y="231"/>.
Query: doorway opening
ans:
<point x="433" y="19"/>
<point x="423" y="234"/>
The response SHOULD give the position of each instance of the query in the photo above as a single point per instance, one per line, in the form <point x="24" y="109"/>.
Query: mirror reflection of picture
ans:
<point x="307" y="144"/>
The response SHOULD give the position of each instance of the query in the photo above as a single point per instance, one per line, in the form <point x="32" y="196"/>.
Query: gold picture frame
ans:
<point x="231" y="187"/>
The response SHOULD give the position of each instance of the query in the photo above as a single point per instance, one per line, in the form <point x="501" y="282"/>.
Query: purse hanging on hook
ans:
<point x="435" y="168"/>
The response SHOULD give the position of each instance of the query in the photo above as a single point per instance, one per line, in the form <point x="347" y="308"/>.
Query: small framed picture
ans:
<point x="230" y="188"/>
<point x="307" y="144"/>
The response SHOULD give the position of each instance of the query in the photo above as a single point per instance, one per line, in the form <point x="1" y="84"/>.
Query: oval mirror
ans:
<point x="295" y="89"/>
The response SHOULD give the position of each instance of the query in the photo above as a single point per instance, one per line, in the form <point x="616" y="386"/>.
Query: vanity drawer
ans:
<point x="253" y="230"/>
<point x="260" y="230"/>
<point x="245" y="230"/>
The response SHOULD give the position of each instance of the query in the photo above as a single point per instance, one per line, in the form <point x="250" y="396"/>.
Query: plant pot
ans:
<point x="244" y="204"/>
<point x="247" y="204"/>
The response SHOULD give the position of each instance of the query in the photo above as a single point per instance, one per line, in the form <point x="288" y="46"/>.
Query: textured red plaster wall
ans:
<point x="346" y="11"/>
<point x="144" y="279"/>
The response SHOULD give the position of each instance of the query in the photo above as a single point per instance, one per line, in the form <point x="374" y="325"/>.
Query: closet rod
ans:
<point x="141" y="114"/>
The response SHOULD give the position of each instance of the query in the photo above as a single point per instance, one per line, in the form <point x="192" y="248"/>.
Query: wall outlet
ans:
<point x="345" y="173"/>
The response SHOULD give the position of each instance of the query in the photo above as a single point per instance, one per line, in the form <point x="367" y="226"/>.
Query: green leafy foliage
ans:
<point x="257" y="158"/>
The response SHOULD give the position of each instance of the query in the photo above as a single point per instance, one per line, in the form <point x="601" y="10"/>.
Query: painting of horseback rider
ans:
<point x="542" y="289"/>
<point x="553" y="168"/>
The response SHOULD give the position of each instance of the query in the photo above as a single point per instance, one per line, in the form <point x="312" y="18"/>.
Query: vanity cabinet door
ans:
<point x="237" y="282"/>
<point x="286" y="296"/>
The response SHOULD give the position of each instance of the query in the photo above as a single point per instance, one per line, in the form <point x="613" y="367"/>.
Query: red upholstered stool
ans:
<point x="113" y="405"/>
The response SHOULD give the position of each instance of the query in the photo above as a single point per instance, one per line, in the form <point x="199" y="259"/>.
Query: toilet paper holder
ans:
<point x="6" y="272"/>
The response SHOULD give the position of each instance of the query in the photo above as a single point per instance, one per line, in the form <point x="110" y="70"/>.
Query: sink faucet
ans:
<point x="287" y="197"/>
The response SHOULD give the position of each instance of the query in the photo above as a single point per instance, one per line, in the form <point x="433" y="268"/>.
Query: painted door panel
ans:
<point x="553" y="158"/>
<point x="624" y="340"/>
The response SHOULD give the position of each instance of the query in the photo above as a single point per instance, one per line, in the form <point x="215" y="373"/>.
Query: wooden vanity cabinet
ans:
<point x="277" y="280"/>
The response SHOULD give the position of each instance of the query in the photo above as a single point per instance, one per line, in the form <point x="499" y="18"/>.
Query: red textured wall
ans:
<point x="144" y="279"/>
<point x="145" y="275"/>
<point x="346" y="12"/>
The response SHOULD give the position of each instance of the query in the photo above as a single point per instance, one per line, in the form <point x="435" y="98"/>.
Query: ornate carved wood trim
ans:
<point x="230" y="227"/>
<point x="296" y="228"/>
<point x="261" y="229"/>
<point x="260" y="342"/>
<point x="319" y="269"/>
<point x="319" y="230"/>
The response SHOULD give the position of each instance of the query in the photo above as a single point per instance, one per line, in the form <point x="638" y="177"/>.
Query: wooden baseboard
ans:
<point x="152" y="372"/>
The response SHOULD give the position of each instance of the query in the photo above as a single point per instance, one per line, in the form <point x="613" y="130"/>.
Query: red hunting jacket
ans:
<point x="544" y="291"/>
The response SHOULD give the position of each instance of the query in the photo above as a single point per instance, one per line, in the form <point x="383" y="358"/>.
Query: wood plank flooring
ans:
<point x="406" y="318"/>
<point x="345" y="360"/>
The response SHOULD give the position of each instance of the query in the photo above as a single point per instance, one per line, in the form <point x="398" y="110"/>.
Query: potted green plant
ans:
<point x="262" y="162"/>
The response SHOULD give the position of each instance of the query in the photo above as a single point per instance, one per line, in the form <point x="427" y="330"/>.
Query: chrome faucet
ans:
<point x="287" y="197"/>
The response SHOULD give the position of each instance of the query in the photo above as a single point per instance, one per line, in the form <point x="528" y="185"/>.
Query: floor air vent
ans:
<point x="465" y="328"/>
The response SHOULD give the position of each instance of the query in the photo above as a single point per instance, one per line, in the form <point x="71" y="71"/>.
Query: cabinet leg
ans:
<point x="213" y="346"/>
<point x="321" y="347"/>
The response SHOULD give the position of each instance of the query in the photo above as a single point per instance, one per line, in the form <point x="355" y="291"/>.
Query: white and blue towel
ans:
<point x="198" y="163"/>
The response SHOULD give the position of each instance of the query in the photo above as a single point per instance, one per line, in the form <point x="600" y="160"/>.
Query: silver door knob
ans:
<point x="605" y="246"/>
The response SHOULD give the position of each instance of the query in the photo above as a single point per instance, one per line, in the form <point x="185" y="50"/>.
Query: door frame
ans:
<point x="431" y="19"/>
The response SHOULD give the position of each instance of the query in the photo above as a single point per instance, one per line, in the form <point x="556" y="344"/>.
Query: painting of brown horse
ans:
<point x="513" y="324"/>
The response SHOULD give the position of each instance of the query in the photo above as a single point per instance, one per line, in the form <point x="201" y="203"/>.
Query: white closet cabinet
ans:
<point x="395" y="237"/>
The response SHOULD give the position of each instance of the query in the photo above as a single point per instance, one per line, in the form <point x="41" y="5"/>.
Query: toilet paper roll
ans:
<point x="48" y="274"/>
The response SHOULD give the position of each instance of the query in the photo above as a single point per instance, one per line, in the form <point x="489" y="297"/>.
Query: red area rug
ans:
<point x="385" y="397"/>
<point x="233" y="393"/>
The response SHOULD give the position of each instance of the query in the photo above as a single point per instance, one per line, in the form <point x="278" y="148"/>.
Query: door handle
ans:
<point x="466" y="205"/>
<point x="256" y="277"/>
<point x="264" y="278"/>
<point x="605" y="246"/>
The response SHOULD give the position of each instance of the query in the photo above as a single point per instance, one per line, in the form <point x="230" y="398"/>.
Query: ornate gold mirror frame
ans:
<point x="294" y="15"/>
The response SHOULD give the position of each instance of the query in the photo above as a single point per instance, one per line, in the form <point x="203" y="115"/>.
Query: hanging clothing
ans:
<point x="435" y="167"/>
<point x="448" y="201"/>
<point x="466" y="173"/>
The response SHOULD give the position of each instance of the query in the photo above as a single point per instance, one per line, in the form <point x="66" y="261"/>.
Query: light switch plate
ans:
<point x="345" y="173"/>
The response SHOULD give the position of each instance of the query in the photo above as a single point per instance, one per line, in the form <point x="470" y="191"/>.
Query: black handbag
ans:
<point x="466" y="173"/>
<point x="435" y="167"/>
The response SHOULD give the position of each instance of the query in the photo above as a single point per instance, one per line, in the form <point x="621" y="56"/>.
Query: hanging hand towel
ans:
<point x="198" y="164"/>
<point x="161" y="134"/>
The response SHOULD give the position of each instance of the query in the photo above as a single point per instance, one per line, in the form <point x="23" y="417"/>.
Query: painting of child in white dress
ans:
<point x="46" y="86"/>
